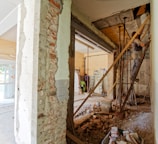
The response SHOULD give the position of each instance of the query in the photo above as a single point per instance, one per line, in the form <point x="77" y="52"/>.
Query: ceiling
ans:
<point x="119" y="27"/>
<point x="117" y="19"/>
<point x="106" y="15"/>
<point x="98" y="9"/>
<point x="8" y="19"/>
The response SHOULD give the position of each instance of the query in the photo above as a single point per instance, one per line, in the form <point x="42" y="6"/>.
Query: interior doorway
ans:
<point x="90" y="63"/>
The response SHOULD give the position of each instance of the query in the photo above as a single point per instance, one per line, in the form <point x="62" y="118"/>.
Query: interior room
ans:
<point x="76" y="71"/>
<point x="93" y="109"/>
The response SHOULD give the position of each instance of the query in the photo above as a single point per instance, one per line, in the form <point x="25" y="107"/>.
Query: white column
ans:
<point x="27" y="72"/>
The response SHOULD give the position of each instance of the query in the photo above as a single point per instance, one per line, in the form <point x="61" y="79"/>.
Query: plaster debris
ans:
<point x="94" y="128"/>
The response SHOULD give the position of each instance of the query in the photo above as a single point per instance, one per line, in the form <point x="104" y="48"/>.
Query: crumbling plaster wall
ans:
<point x="62" y="74"/>
<point x="42" y="72"/>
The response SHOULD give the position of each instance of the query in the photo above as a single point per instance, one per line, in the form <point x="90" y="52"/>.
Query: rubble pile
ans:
<point x="94" y="128"/>
<point x="88" y="109"/>
<point x="119" y="136"/>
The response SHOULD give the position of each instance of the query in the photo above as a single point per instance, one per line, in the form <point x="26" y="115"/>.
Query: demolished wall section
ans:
<point x="41" y="97"/>
<point x="53" y="79"/>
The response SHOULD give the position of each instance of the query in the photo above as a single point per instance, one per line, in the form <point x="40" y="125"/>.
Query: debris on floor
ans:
<point x="95" y="125"/>
<point x="119" y="136"/>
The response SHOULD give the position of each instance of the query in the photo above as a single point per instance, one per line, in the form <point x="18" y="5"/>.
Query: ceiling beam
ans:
<point x="83" y="29"/>
<point x="88" y="46"/>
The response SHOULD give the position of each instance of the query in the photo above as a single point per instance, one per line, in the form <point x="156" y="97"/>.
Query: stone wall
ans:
<point x="52" y="91"/>
<point x="47" y="114"/>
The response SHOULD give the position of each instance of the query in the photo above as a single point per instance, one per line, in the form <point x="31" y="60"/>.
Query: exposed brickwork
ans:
<point x="51" y="112"/>
<point x="56" y="3"/>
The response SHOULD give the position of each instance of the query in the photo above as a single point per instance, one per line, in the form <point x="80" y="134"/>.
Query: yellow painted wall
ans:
<point x="101" y="61"/>
<point x="79" y="62"/>
<point x="93" y="61"/>
<point x="7" y="50"/>
<point x="96" y="61"/>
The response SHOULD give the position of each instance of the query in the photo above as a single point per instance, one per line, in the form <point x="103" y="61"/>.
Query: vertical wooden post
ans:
<point x="70" y="108"/>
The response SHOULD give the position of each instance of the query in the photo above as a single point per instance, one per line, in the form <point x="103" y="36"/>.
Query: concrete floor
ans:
<point x="7" y="122"/>
<point x="93" y="101"/>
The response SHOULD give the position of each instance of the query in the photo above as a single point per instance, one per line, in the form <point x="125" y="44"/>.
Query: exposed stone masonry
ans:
<point x="50" y="128"/>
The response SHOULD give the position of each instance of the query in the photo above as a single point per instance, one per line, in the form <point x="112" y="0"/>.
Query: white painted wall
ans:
<point x="154" y="66"/>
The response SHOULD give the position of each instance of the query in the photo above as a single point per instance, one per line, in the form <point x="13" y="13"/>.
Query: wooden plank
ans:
<point x="113" y="33"/>
<point x="74" y="138"/>
<point x="116" y="60"/>
<point x="79" y="121"/>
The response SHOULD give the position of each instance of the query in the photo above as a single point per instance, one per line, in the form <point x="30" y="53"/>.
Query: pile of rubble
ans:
<point x="119" y="136"/>
<point x="94" y="128"/>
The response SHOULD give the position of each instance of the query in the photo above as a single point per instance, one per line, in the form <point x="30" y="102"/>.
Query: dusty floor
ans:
<point x="94" y="101"/>
<point x="7" y="123"/>
<point x="93" y="127"/>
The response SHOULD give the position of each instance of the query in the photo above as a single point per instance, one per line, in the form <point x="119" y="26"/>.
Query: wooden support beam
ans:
<point x="116" y="60"/>
<point x="70" y="108"/>
<point x="74" y="138"/>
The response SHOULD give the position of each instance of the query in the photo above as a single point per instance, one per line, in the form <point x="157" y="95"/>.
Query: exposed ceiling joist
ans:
<point x="114" y="20"/>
